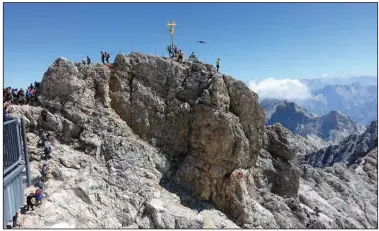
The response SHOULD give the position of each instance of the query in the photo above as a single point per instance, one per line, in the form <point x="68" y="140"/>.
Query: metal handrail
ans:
<point x="12" y="149"/>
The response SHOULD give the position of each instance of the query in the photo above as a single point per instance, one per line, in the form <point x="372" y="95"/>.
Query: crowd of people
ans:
<point x="19" y="96"/>
<point x="104" y="58"/>
<point x="175" y="53"/>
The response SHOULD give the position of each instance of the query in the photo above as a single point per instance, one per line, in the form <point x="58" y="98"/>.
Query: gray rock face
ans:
<point x="269" y="106"/>
<point x="111" y="189"/>
<point x="349" y="151"/>
<point x="333" y="127"/>
<point x="151" y="143"/>
<point x="346" y="197"/>
<point x="192" y="113"/>
<point x="290" y="116"/>
<point x="282" y="143"/>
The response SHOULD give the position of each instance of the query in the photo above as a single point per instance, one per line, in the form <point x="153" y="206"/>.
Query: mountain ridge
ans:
<point x="348" y="150"/>
<point x="154" y="143"/>
<point x="332" y="127"/>
<point x="356" y="100"/>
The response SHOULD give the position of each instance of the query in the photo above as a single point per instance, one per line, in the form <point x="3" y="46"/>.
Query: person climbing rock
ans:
<point x="47" y="151"/>
<point x="15" y="220"/>
<point x="38" y="196"/>
<point x="107" y="55"/>
<point x="44" y="171"/>
<point x="43" y="139"/>
<point x="88" y="60"/>
<point x="102" y="57"/>
<point x="41" y="183"/>
<point x="83" y="61"/>
<point x="44" y="115"/>
<point x="29" y="203"/>
<point x="218" y="64"/>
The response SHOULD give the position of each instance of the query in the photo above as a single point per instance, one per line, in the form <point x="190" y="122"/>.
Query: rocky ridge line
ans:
<point x="149" y="125"/>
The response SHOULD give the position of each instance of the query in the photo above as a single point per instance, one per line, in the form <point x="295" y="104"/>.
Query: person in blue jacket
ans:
<point x="15" y="219"/>
<point x="39" y="196"/>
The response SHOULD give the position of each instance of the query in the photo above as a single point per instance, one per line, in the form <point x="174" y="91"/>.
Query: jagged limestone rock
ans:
<point x="122" y="133"/>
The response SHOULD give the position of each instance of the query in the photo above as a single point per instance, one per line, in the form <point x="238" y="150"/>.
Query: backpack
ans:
<point x="38" y="192"/>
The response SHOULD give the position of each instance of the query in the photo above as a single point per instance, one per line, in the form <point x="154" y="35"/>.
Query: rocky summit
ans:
<point x="148" y="142"/>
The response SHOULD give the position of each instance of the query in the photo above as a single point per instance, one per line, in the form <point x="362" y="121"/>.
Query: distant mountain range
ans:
<point x="358" y="100"/>
<point x="348" y="151"/>
<point x="332" y="127"/>
<point x="316" y="84"/>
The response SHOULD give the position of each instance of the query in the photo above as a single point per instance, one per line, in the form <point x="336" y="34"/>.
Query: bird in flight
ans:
<point x="200" y="41"/>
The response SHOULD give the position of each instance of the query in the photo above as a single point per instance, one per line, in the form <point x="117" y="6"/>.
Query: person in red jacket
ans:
<point x="180" y="56"/>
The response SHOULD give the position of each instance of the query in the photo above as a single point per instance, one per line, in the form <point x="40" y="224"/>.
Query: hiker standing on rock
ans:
<point x="107" y="55"/>
<point x="88" y="60"/>
<point x="180" y="56"/>
<point x="169" y="49"/>
<point x="83" y="61"/>
<point x="218" y="64"/>
<point x="102" y="57"/>
<point x="28" y="96"/>
<point x="175" y="51"/>
<point x="21" y="96"/>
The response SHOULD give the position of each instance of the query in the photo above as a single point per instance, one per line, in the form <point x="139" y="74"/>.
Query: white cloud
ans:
<point x="290" y="89"/>
<point x="324" y="75"/>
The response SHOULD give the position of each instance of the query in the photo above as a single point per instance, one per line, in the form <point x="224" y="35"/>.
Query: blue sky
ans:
<point x="253" y="40"/>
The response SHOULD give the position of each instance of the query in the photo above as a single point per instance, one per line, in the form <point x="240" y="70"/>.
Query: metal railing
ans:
<point x="12" y="154"/>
